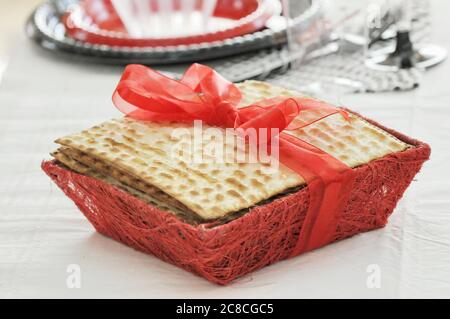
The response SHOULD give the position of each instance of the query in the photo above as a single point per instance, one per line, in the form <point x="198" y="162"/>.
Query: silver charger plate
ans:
<point x="44" y="26"/>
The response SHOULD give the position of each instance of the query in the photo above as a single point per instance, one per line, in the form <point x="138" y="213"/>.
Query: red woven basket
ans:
<point x="265" y="235"/>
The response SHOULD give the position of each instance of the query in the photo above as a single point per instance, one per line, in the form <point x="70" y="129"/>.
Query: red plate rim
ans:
<point x="79" y="30"/>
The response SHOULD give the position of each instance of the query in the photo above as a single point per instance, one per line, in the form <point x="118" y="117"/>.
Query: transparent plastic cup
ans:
<point x="342" y="31"/>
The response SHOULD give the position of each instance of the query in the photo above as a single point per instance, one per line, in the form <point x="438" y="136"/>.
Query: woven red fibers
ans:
<point x="263" y="236"/>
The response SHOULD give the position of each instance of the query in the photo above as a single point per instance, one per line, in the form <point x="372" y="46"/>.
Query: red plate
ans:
<point x="97" y="22"/>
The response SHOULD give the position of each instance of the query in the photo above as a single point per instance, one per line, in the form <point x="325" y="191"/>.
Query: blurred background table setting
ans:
<point x="304" y="44"/>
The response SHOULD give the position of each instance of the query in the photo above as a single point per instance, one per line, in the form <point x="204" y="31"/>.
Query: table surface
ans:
<point x="42" y="232"/>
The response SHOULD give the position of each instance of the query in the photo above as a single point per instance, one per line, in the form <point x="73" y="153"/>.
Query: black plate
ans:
<point x="45" y="27"/>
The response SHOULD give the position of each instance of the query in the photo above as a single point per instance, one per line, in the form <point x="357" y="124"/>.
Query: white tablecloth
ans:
<point x="42" y="232"/>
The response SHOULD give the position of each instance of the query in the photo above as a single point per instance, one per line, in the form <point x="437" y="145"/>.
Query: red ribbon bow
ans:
<point x="202" y="94"/>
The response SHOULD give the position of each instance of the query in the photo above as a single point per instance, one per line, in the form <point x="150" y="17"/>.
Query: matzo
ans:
<point x="143" y="151"/>
<point x="76" y="166"/>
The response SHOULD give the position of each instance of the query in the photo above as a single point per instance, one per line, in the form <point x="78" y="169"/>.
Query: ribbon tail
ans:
<point x="329" y="182"/>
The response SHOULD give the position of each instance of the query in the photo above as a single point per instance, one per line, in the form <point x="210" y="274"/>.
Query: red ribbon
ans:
<point x="202" y="94"/>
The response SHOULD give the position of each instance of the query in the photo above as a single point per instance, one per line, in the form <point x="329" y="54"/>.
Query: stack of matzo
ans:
<point x="137" y="157"/>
